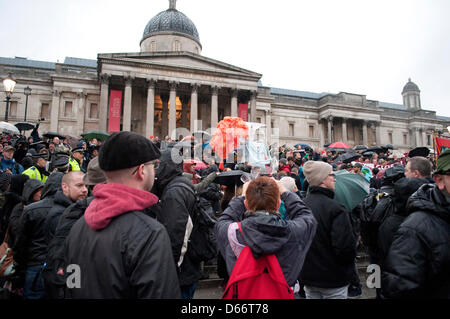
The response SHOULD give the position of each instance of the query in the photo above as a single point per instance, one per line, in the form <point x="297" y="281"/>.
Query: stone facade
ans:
<point x="178" y="88"/>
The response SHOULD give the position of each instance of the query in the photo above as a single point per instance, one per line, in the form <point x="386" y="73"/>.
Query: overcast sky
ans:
<point x="357" y="46"/>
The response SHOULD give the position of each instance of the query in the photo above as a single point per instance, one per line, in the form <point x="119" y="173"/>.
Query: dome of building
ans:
<point x="171" y="30"/>
<point x="410" y="87"/>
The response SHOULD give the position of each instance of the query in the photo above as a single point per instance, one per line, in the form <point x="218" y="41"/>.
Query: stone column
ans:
<point x="424" y="138"/>
<point x="164" y="114"/>
<point x="253" y="106"/>
<point x="126" y="122"/>
<point x="365" y="140"/>
<point x="418" y="138"/>
<point x="194" y="107"/>
<point x="344" y="130"/>
<point x="378" y="133"/>
<point x="173" y="110"/>
<point x="150" y="121"/>
<point x="321" y="134"/>
<point x="103" y="110"/>
<point x="54" y="115"/>
<point x="268" y="127"/>
<point x="214" y="106"/>
<point x="81" y="108"/>
<point x="234" y="103"/>
<point x="184" y="110"/>
<point x="330" y="122"/>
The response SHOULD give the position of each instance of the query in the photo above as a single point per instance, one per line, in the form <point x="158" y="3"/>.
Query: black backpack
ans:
<point x="202" y="243"/>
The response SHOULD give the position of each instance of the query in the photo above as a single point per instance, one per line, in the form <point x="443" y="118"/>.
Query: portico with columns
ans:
<point x="173" y="90"/>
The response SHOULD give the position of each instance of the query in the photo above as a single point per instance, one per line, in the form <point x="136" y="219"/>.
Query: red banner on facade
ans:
<point x="442" y="144"/>
<point x="243" y="112"/>
<point x="115" y="108"/>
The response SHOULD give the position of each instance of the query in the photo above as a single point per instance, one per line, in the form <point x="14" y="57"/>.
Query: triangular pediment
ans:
<point x="178" y="60"/>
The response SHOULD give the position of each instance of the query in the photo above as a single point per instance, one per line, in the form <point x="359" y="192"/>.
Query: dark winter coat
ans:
<point x="31" y="243"/>
<point x="418" y="261"/>
<point x="269" y="234"/>
<point x="175" y="211"/>
<point x="30" y="187"/>
<point x="403" y="189"/>
<point x="121" y="251"/>
<point x="55" y="261"/>
<point x="60" y="203"/>
<point x="330" y="260"/>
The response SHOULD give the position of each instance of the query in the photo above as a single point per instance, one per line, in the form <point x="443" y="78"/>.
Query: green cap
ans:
<point x="443" y="162"/>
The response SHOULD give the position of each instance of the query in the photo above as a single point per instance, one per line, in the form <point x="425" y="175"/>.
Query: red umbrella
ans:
<point x="200" y="164"/>
<point x="338" y="145"/>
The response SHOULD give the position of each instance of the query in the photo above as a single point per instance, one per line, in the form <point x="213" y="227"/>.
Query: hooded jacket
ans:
<point x="418" y="261"/>
<point x="174" y="211"/>
<point x="124" y="253"/>
<point x="31" y="244"/>
<point x="268" y="234"/>
<point x="330" y="261"/>
<point x="30" y="187"/>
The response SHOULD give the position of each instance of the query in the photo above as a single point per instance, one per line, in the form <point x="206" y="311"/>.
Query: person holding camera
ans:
<point x="265" y="232"/>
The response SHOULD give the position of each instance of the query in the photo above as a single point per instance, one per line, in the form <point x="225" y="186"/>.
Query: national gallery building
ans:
<point x="169" y="85"/>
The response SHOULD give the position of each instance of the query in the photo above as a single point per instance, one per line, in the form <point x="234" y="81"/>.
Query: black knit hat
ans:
<point x="125" y="150"/>
<point x="5" y="180"/>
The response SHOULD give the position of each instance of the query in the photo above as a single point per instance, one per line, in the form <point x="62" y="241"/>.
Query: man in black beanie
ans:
<point x="124" y="253"/>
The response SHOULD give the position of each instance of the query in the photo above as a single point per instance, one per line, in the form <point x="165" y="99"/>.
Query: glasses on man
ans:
<point x="155" y="164"/>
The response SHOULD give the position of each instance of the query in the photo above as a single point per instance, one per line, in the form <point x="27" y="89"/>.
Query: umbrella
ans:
<point x="53" y="134"/>
<point x="419" y="151"/>
<point x="376" y="149"/>
<point x="388" y="146"/>
<point x="347" y="157"/>
<point x="368" y="153"/>
<point x="350" y="189"/>
<point x="360" y="147"/>
<point x="231" y="178"/>
<point x="24" y="126"/>
<point x="99" y="135"/>
<point x="338" y="145"/>
<point x="302" y="145"/>
<point x="8" y="128"/>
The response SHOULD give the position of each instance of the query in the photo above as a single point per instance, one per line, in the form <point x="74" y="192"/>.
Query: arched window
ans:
<point x="176" y="45"/>
<point x="153" y="46"/>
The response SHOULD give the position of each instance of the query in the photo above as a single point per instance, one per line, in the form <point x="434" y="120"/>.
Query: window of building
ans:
<point x="13" y="109"/>
<point x="390" y="137"/>
<point x="428" y="139"/>
<point x="68" y="109"/>
<point x="311" y="131"/>
<point x="45" y="110"/>
<point x="176" y="45"/>
<point x="258" y="119"/>
<point x="153" y="46"/>
<point x="272" y="125"/>
<point x="291" y="129"/>
<point x="93" y="112"/>
<point x="405" y="139"/>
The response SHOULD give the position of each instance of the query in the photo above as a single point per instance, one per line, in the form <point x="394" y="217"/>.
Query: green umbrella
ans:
<point x="350" y="189"/>
<point x="99" y="135"/>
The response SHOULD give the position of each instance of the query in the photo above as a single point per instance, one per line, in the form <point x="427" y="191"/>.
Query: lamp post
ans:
<point x="27" y="92"/>
<point x="9" y="85"/>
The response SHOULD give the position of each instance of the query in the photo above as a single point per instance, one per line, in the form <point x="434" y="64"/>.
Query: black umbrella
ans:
<point x="368" y="153"/>
<point x="376" y="149"/>
<point x="347" y="157"/>
<point x="53" y="134"/>
<point x="230" y="178"/>
<point x="360" y="147"/>
<point x="388" y="146"/>
<point x="419" y="151"/>
<point x="24" y="126"/>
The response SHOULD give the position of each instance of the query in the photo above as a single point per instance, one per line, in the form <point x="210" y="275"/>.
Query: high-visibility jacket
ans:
<point x="74" y="166"/>
<point x="33" y="173"/>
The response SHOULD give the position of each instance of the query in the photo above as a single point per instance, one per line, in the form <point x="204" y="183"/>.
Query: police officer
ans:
<point x="38" y="170"/>
<point x="76" y="160"/>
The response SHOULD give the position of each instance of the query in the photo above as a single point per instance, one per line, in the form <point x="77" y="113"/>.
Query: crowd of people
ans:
<point x="125" y="212"/>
